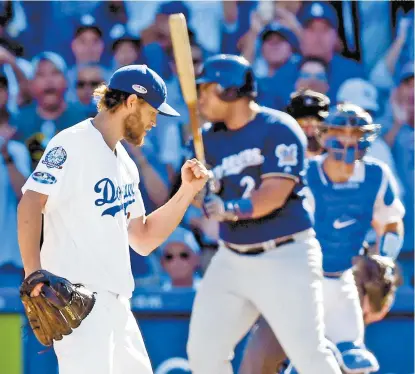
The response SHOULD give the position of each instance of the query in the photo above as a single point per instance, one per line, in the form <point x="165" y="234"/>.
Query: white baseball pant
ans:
<point x="108" y="341"/>
<point x="284" y="285"/>
<point x="343" y="316"/>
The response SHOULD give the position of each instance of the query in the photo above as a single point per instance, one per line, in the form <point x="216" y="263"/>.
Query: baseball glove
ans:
<point x="377" y="277"/>
<point x="60" y="307"/>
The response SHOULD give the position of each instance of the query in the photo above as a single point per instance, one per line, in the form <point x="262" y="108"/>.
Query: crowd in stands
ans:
<point x="53" y="54"/>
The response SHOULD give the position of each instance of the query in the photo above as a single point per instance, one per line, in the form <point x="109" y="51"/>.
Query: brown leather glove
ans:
<point x="60" y="307"/>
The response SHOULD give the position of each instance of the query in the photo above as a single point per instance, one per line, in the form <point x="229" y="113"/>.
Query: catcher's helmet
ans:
<point x="233" y="74"/>
<point x="308" y="103"/>
<point x="349" y="116"/>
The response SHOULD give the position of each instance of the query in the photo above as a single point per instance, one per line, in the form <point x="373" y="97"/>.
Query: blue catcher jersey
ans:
<point x="344" y="211"/>
<point x="272" y="144"/>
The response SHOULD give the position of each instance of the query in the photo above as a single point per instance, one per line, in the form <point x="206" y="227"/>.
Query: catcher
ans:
<point x="350" y="194"/>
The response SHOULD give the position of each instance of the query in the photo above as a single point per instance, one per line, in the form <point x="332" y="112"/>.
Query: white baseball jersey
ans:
<point x="93" y="193"/>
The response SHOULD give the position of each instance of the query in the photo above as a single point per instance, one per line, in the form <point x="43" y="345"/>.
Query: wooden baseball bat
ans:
<point x="184" y="64"/>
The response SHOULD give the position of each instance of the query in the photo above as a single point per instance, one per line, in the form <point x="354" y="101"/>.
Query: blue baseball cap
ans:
<point x="52" y="57"/>
<point x="182" y="235"/>
<point x="406" y="72"/>
<point x="145" y="83"/>
<point x="173" y="7"/>
<point x="319" y="10"/>
<point x="284" y="32"/>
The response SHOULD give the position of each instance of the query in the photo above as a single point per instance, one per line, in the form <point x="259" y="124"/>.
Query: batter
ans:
<point x="257" y="156"/>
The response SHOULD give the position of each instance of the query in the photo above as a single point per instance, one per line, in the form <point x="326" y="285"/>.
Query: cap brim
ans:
<point x="166" y="110"/>
<point x="202" y="80"/>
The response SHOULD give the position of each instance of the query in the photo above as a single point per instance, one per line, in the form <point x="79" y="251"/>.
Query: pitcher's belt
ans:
<point x="259" y="248"/>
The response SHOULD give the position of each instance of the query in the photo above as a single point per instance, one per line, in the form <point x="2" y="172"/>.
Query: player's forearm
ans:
<point x="29" y="220"/>
<point x="162" y="222"/>
<point x="266" y="201"/>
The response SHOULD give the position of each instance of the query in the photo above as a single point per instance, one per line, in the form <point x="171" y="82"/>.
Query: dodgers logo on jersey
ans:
<point x="44" y="178"/>
<point x="55" y="158"/>
<point x="287" y="154"/>
<point x="110" y="194"/>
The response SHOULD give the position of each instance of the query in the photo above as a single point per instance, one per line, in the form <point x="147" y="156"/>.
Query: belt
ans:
<point x="252" y="251"/>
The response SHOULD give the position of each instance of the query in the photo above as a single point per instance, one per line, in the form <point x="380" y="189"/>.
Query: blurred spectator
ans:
<point x="16" y="70"/>
<point x="312" y="75"/>
<point x="382" y="75"/>
<point x="90" y="76"/>
<point x="156" y="38"/>
<point x="87" y="46"/>
<point x="7" y="26"/>
<point x="180" y="259"/>
<point x="362" y="93"/>
<point x="14" y="170"/>
<point x="159" y="31"/>
<point x="319" y="39"/>
<point x="401" y="139"/>
<point x="126" y="48"/>
<point x="278" y="43"/>
<point x="49" y="113"/>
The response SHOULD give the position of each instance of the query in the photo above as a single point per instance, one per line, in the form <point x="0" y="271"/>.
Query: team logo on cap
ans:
<point x="139" y="89"/>
<point x="317" y="10"/>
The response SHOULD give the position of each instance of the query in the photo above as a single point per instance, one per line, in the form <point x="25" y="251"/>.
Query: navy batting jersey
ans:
<point x="344" y="212"/>
<point x="271" y="145"/>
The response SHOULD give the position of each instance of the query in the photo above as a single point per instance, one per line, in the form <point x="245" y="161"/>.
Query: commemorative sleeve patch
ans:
<point x="44" y="178"/>
<point x="55" y="158"/>
<point x="287" y="155"/>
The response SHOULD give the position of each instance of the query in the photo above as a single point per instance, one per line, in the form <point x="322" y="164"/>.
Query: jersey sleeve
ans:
<point x="52" y="171"/>
<point x="284" y="152"/>
<point x="388" y="207"/>
<point x="137" y="207"/>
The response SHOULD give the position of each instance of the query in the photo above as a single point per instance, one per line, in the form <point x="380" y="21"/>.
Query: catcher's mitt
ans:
<point x="60" y="307"/>
<point x="377" y="277"/>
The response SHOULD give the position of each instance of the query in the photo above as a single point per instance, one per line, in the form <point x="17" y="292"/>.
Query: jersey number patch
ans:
<point x="249" y="184"/>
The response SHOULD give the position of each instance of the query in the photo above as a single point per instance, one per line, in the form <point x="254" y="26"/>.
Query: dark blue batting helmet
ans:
<point x="233" y="74"/>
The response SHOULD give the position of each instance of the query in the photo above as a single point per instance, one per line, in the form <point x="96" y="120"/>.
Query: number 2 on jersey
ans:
<point x="249" y="184"/>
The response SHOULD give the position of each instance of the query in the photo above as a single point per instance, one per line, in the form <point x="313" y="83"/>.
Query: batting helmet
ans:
<point x="349" y="116"/>
<point x="308" y="103"/>
<point x="233" y="74"/>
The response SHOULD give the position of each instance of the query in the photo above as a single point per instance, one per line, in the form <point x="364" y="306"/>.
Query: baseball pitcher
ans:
<point x="77" y="288"/>
<point x="269" y="261"/>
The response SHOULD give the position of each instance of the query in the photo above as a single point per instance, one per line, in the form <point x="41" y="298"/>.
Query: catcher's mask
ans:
<point x="348" y="131"/>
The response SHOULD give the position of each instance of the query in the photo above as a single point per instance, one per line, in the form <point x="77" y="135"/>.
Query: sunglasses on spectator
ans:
<point x="82" y="84"/>
<point x="318" y="76"/>
<point x="181" y="255"/>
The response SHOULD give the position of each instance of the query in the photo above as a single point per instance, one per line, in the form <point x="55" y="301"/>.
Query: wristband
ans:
<point x="390" y="245"/>
<point x="241" y="208"/>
